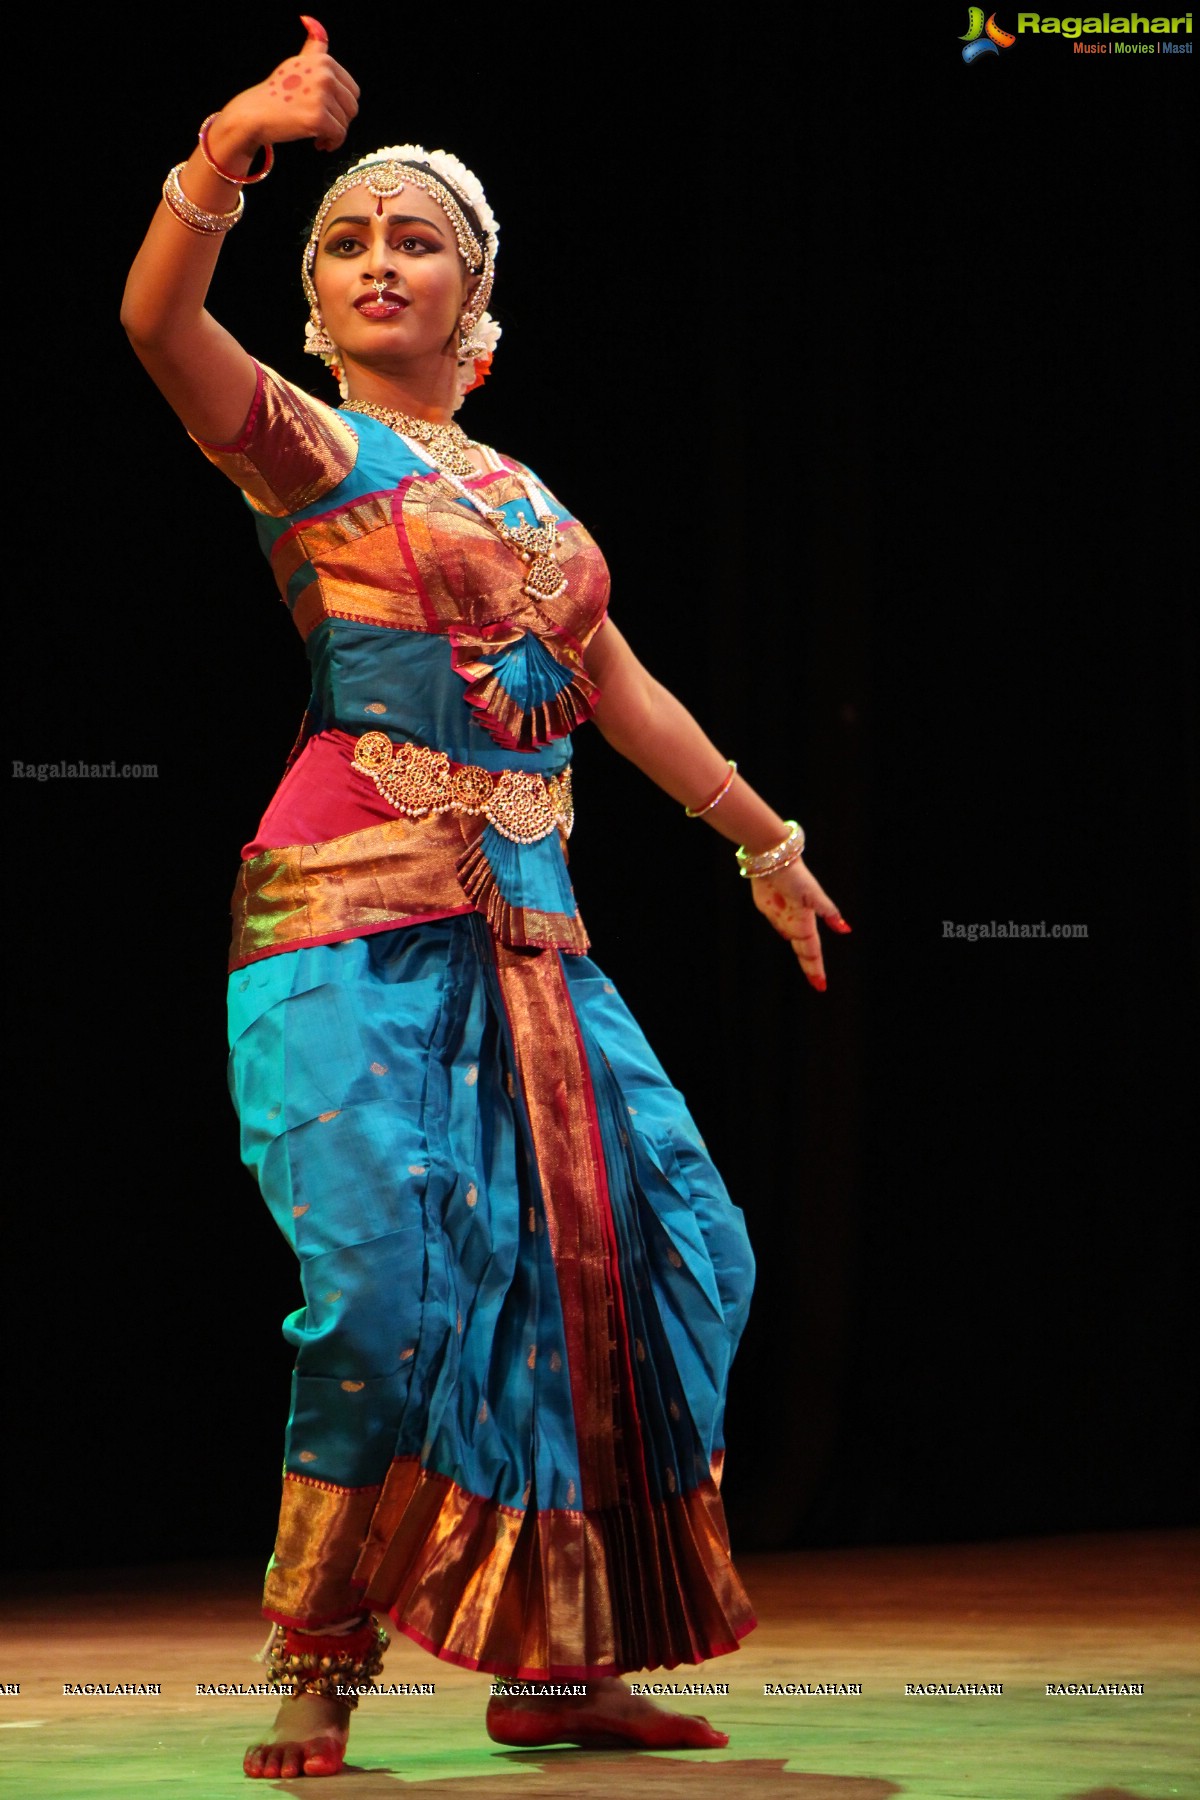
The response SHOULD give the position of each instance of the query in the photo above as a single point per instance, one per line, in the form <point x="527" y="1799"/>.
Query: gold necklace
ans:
<point x="447" y="444"/>
<point x="444" y="447"/>
<point x="537" y="545"/>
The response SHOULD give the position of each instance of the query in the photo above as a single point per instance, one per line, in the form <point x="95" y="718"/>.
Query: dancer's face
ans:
<point x="389" y="278"/>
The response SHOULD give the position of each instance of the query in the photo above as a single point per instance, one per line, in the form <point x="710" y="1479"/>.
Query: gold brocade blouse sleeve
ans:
<point x="292" y="449"/>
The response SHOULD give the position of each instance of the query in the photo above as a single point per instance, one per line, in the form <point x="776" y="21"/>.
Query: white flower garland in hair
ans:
<point x="466" y="184"/>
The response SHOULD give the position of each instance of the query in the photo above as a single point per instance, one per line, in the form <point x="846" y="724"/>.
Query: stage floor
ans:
<point x="1024" y="1614"/>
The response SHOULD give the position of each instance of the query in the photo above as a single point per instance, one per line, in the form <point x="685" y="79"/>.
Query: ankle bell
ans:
<point x="337" y="1667"/>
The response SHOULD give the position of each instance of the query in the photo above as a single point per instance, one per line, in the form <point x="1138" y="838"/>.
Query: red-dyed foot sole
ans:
<point x="314" y="1759"/>
<point x="529" y="1728"/>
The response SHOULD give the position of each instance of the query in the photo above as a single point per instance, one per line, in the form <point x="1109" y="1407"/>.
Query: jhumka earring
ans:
<point x="317" y="341"/>
<point x="469" y="346"/>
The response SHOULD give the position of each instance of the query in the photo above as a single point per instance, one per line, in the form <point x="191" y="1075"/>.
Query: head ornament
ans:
<point x="385" y="173"/>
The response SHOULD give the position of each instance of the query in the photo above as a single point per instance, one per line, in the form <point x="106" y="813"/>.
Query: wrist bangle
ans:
<point x="698" y="812"/>
<point x="208" y="224"/>
<point x="237" y="181"/>
<point x="769" y="862"/>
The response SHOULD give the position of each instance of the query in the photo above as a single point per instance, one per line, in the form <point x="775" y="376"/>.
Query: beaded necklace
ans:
<point x="448" y="443"/>
<point x="444" y="448"/>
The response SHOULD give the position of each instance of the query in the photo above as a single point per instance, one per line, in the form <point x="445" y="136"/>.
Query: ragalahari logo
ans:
<point x="982" y="39"/>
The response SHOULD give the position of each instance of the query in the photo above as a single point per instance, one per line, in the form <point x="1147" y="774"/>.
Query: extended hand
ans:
<point x="307" y="96"/>
<point x="793" y="900"/>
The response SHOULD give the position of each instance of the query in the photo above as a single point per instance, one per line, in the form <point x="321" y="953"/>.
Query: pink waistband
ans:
<point x="320" y="797"/>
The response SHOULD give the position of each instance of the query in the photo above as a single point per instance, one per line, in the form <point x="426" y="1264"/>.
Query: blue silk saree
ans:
<point x="523" y="1280"/>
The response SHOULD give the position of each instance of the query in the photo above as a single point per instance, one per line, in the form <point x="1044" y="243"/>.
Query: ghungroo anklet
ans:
<point x="304" y="1662"/>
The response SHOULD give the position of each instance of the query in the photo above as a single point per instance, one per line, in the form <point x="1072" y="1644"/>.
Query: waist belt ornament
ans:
<point x="522" y="806"/>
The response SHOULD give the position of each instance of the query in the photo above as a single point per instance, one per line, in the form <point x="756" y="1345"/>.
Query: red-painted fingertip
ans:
<point x="840" y="924"/>
<point x="315" y="29"/>
<point x="821" y="985"/>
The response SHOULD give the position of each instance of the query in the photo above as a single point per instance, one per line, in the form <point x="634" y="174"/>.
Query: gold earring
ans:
<point x="317" y="341"/>
<point x="469" y="346"/>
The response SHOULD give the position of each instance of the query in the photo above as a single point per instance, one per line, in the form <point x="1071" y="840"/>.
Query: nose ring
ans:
<point x="380" y="288"/>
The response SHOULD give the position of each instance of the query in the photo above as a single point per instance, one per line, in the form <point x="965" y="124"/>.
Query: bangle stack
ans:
<point x="769" y="862"/>
<point x="237" y="181"/>
<point x="211" y="224"/>
<point x="698" y="812"/>
<point x="208" y="224"/>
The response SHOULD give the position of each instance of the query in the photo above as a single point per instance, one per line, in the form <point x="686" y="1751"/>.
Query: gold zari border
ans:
<point x="524" y="1594"/>
<point x="371" y="880"/>
<point x="554" y="1593"/>
<point x="321" y="1530"/>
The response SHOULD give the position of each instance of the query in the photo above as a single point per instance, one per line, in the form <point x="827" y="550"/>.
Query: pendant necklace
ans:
<point x="444" y="448"/>
<point x="536" y="545"/>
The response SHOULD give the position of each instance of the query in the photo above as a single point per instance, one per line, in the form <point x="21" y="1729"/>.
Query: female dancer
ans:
<point x="524" y="1282"/>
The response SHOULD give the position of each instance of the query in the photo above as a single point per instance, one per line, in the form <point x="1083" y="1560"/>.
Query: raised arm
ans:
<point x="200" y="367"/>
<point x="645" y="722"/>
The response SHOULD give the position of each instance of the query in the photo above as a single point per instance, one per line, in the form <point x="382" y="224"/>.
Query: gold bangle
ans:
<point x="769" y="862"/>
<point x="785" y="862"/>
<point x="207" y="224"/>
<point x="698" y="812"/>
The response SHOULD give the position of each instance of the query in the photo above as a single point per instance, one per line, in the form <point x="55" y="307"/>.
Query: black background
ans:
<point x="869" y="371"/>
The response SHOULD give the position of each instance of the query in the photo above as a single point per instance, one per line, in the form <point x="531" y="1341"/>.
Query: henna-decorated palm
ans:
<point x="307" y="96"/>
<point x="793" y="900"/>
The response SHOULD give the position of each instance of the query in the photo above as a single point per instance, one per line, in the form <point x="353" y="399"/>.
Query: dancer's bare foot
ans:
<point x="308" y="1738"/>
<point x="607" y="1717"/>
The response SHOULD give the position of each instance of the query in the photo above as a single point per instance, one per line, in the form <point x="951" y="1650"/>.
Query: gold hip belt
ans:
<point x="522" y="805"/>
